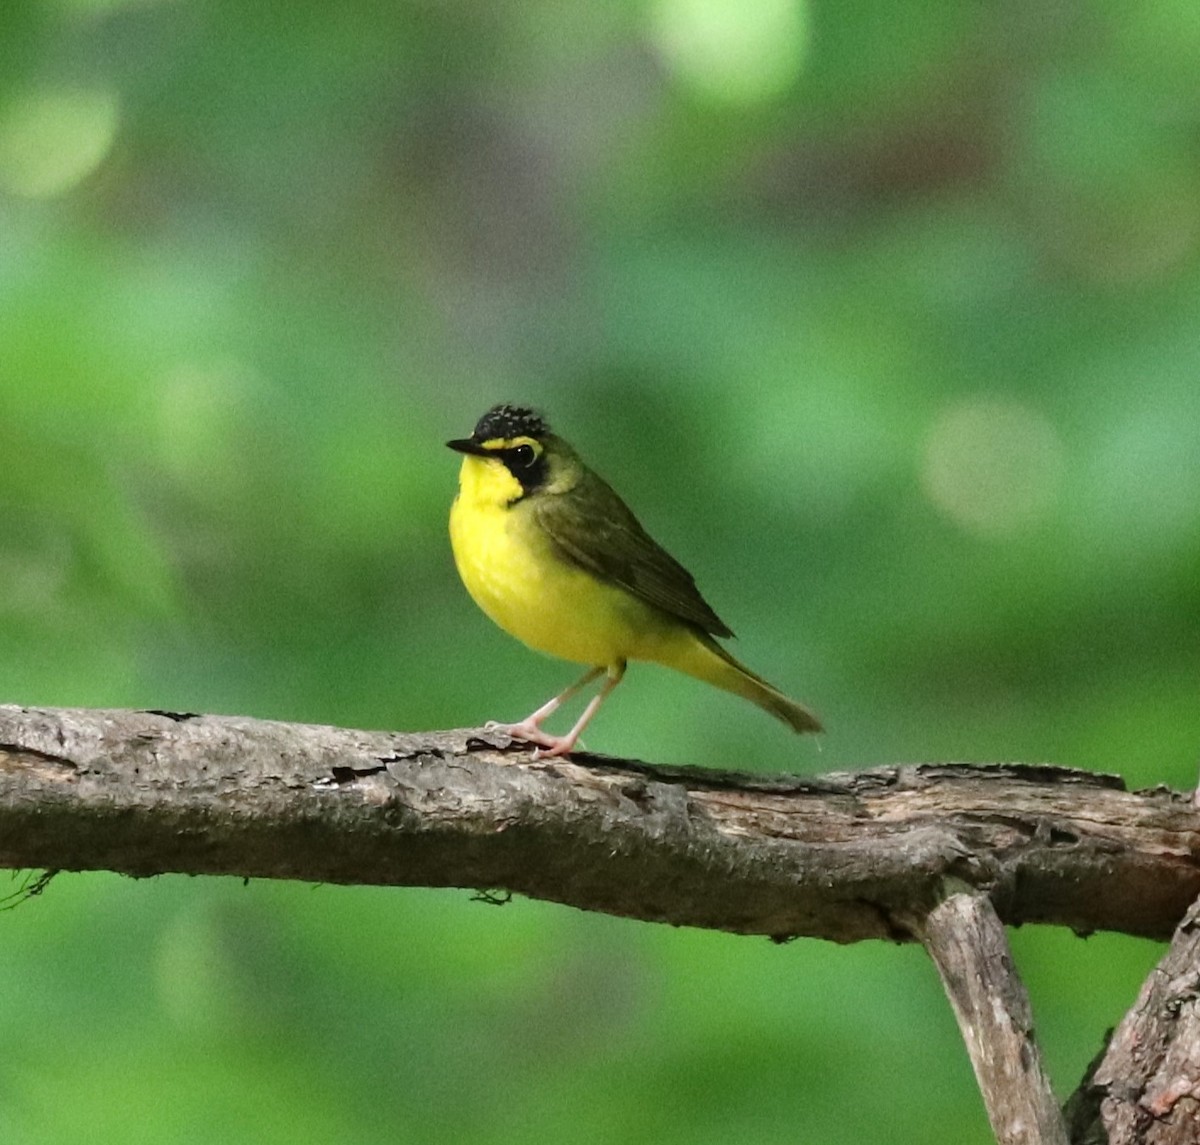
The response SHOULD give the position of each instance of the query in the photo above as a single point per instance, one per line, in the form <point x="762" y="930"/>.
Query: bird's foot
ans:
<point x="529" y="732"/>
<point x="561" y="748"/>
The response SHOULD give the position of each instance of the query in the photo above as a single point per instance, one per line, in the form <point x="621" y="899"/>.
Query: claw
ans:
<point x="526" y="731"/>
<point x="562" y="747"/>
<point x="529" y="729"/>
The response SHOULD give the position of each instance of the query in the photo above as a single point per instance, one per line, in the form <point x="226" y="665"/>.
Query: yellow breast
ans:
<point x="513" y="573"/>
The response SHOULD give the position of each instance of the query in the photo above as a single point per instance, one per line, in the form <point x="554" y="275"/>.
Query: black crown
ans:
<point x="506" y="422"/>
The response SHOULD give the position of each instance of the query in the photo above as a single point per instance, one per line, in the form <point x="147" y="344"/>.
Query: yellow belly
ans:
<point x="513" y="574"/>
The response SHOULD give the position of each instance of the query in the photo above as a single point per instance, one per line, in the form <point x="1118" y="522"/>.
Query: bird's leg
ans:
<point x="562" y="745"/>
<point x="530" y="728"/>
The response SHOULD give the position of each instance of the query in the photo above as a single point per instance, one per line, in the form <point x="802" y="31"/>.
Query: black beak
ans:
<point x="467" y="445"/>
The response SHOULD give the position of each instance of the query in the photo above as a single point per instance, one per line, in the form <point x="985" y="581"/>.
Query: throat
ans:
<point x="487" y="483"/>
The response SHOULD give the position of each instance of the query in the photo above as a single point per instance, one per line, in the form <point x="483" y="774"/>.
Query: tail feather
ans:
<point x="712" y="663"/>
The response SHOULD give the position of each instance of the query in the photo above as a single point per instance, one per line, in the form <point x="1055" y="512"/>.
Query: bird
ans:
<point x="553" y="556"/>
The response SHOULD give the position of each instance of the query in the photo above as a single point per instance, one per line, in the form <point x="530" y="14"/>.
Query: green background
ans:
<point x="883" y="316"/>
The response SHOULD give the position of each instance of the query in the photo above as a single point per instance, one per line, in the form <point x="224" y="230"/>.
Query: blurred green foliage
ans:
<point x="882" y="316"/>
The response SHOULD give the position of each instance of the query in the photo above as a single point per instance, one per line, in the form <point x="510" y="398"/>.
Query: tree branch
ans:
<point x="1144" y="1089"/>
<point x="843" y="857"/>
<point x="966" y="940"/>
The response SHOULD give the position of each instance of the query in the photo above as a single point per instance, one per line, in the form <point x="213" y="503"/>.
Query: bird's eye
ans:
<point x="524" y="455"/>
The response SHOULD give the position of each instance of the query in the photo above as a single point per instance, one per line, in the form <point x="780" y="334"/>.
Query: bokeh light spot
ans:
<point x="992" y="465"/>
<point x="733" y="52"/>
<point x="52" y="139"/>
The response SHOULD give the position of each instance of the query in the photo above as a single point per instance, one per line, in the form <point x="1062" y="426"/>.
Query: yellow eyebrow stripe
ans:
<point x="499" y="444"/>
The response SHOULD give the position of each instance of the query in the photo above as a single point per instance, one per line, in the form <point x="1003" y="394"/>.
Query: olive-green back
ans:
<point x="592" y="527"/>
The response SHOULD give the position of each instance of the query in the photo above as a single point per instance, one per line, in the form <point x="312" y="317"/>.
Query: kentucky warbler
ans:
<point x="555" y="558"/>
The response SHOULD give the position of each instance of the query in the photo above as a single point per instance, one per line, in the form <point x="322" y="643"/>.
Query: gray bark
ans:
<point x="1144" y="1089"/>
<point x="966" y="940"/>
<point x="843" y="857"/>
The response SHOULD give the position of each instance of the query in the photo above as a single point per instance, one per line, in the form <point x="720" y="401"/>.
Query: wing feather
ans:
<point x="610" y="543"/>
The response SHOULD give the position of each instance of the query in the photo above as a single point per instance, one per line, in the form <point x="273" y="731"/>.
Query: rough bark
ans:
<point x="1144" y="1089"/>
<point x="966" y="940"/>
<point x="842" y="857"/>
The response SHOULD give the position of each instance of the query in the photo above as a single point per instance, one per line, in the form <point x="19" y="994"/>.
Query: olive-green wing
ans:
<point x="592" y="528"/>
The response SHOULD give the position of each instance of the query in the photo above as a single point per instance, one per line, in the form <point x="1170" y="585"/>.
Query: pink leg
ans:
<point x="564" y="744"/>
<point x="530" y="729"/>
